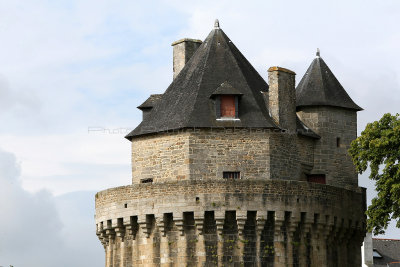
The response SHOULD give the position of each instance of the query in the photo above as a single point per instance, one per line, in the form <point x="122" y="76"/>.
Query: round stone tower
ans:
<point x="222" y="174"/>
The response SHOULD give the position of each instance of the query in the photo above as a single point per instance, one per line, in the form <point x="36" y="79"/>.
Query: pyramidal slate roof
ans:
<point x="319" y="87"/>
<point x="188" y="101"/>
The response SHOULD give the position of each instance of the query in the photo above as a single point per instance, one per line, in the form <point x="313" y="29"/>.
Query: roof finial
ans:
<point x="216" y="24"/>
<point x="318" y="52"/>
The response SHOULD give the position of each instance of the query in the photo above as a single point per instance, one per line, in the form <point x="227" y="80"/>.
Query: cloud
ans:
<point x="79" y="232"/>
<point x="29" y="223"/>
<point x="32" y="232"/>
<point x="80" y="61"/>
<point x="92" y="159"/>
<point x="17" y="101"/>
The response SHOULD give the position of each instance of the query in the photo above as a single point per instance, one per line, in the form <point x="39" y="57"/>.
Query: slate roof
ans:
<point x="389" y="249"/>
<point x="226" y="89"/>
<point x="319" y="87"/>
<point x="304" y="130"/>
<point x="150" y="102"/>
<point x="187" y="101"/>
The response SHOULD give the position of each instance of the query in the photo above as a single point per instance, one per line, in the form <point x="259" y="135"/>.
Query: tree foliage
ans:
<point x="378" y="147"/>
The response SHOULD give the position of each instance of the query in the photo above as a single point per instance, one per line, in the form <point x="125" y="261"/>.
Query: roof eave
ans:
<point x="356" y="108"/>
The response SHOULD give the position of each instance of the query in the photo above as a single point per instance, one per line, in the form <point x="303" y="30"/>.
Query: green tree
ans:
<point x="378" y="147"/>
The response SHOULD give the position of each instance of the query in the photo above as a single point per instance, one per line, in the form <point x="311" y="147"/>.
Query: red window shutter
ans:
<point x="228" y="106"/>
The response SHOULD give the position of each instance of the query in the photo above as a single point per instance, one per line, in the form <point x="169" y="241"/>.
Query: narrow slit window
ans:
<point x="231" y="175"/>
<point x="337" y="141"/>
<point x="146" y="181"/>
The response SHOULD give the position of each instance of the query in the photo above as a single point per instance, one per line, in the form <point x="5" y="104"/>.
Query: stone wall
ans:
<point x="160" y="157"/>
<point x="331" y="156"/>
<point x="213" y="151"/>
<point x="285" y="158"/>
<point x="198" y="154"/>
<point x="306" y="148"/>
<point x="230" y="223"/>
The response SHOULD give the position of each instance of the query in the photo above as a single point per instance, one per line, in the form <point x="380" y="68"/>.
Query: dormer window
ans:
<point x="148" y="105"/>
<point x="226" y="102"/>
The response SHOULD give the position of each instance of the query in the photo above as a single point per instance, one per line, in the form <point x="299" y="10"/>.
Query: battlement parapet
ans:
<point x="199" y="221"/>
<point x="186" y="196"/>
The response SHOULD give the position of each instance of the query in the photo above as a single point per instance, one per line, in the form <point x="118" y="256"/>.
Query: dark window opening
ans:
<point x="338" y="141"/>
<point x="316" y="178"/>
<point x="231" y="175"/>
<point x="146" y="181"/>
<point x="126" y="205"/>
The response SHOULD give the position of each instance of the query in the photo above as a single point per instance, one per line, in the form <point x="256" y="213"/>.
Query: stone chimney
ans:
<point x="183" y="51"/>
<point x="282" y="97"/>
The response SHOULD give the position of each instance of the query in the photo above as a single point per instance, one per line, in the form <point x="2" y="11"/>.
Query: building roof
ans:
<point x="187" y="102"/>
<point x="304" y="130"/>
<point x="389" y="249"/>
<point x="150" y="102"/>
<point x="226" y="89"/>
<point x="319" y="87"/>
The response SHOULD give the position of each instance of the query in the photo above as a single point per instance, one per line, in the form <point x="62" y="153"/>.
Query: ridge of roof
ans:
<point x="205" y="64"/>
<point x="187" y="102"/>
<point x="320" y="87"/>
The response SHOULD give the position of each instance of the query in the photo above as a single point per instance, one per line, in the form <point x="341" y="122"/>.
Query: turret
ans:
<point x="324" y="106"/>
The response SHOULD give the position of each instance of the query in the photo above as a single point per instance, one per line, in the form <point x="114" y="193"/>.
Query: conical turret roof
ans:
<point x="319" y="87"/>
<point x="189" y="100"/>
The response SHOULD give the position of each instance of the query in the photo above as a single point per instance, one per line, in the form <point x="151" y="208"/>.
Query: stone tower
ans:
<point x="230" y="171"/>
<point x="323" y="105"/>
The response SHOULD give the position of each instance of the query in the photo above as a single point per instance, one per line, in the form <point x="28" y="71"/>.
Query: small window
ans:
<point x="231" y="175"/>
<point x="316" y="178"/>
<point x="146" y="181"/>
<point x="337" y="141"/>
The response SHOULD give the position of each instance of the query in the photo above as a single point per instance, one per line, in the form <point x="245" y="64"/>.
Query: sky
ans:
<point x="73" y="72"/>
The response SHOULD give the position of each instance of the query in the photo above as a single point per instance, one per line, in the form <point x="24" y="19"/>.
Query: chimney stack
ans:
<point x="183" y="51"/>
<point x="282" y="97"/>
